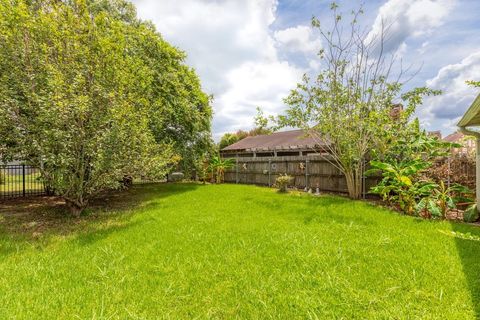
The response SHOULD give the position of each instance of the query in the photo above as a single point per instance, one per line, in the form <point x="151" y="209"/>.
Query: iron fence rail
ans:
<point x="20" y="181"/>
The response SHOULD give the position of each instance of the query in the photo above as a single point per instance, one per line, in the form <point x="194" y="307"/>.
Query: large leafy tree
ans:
<point x="349" y="102"/>
<point x="181" y="112"/>
<point x="92" y="94"/>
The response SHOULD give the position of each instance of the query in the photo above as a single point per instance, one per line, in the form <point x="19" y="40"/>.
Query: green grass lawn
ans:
<point x="229" y="251"/>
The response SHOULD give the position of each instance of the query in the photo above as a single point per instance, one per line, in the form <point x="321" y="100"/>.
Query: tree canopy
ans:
<point x="92" y="94"/>
<point x="349" y="102"/>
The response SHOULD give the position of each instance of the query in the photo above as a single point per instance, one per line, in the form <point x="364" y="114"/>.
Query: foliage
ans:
<point x="442" y="199"/>
<point x="181" y="112"/>
<point x="406" y="183"/>
<point x="230" y="138"/>
<point x="398" y="186"/>
<point x="91" y="94"/>
<point x="248" y="251"/>
<point x="349" y="103"/>
<point x="471" y="214"/>
<point x="282" y="182"/>
<point x="203" y="171"/>
<point x="409" y="143"/>
<point x="474" y="83"/>
<point x="218" y="166"/>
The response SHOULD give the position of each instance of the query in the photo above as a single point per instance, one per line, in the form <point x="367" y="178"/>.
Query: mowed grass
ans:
<point x="230" y="251"/>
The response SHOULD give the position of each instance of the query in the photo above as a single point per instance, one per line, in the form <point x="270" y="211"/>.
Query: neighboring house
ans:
<point x="278" y="144"/>
<point x="468" y="144"/>
<point x="470" y="125"/>
<point x="286" y="143"/>
<point x="435" y="134"/>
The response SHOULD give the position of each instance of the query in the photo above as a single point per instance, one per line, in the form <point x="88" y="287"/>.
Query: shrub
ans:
<point x="282" y="182"/>
<point x="218" y="166"/>
<point x="398" y="186"/>
<point x="403" y="187"/>
<point x="443" y="199"/>
<point x="471" y="214"/>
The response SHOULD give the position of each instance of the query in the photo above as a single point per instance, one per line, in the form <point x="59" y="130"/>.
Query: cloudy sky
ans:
<point x="250" y="53"/>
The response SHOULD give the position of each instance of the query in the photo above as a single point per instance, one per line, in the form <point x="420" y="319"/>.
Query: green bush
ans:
<point x="471" y="214"/>
<point x="282" y="182"/>
<point x="403" y="187"/>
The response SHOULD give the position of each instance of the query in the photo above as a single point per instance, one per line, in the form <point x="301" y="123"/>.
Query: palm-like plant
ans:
<point x="398" y="185"/>
<point x="444" y="198"/>
<point x="218" y="166"/>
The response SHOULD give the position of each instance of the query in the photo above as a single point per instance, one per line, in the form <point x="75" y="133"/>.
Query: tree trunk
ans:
<point x="353" y="184"/>
<point x="358" y="182"/>
<point x="49" y="190"/>
<point x="75" y="207"/>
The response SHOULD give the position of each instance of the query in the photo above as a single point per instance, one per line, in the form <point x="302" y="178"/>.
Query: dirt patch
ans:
<point x="35" y="216"/>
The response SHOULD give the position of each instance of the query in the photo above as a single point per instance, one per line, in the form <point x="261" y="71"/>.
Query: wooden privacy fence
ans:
<point x="454" y="169"/>
<point x="307" y="172"/>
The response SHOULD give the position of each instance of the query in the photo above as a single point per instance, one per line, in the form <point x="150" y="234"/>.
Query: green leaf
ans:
<point x="433" y="208"/>
<point x="406" y="180"/>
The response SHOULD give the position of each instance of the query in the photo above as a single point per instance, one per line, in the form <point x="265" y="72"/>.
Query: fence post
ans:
<point x="236" y="172"/>
<point x="306" y="174"/>
<point x="23" y="179"/>
<point x="246" y="169"/>
<point x="269" y="172"/>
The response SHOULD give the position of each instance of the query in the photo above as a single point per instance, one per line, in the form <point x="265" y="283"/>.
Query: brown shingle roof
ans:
<point x="277" y="140"/>
<point x="437" y="134"/>
<point x="454" y="137"/>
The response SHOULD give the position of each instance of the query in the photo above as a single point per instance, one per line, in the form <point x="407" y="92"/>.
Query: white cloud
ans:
<point x="245" y="63"/>
<point x="298" y="39"/>
<point x="445" y="110"/>
<point x="230" y="45"/>
<point x="252" y="85"/>
<point x="409" y="18"/>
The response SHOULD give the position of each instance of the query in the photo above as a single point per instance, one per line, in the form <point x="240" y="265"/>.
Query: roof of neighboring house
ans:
<point x="437" y="134"/>
<point x="472" y="116"/>
<point x="454" y="137"/>
<point x="294" y="139"/>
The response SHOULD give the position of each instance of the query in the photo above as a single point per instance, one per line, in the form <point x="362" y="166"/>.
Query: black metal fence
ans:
<point x="20" y="181"/>
<point x="24" y="180"/>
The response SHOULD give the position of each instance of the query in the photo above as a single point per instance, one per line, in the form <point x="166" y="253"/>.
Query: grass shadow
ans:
<point x="467" y="240"/>
<point x="93" y="235"/>
<point x="38" y="219"/>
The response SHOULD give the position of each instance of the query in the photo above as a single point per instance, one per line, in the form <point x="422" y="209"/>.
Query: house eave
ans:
<point x="471" y="118"/>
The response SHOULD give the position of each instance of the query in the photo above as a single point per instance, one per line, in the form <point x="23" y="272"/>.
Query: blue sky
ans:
<point x="250" y="53"/>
